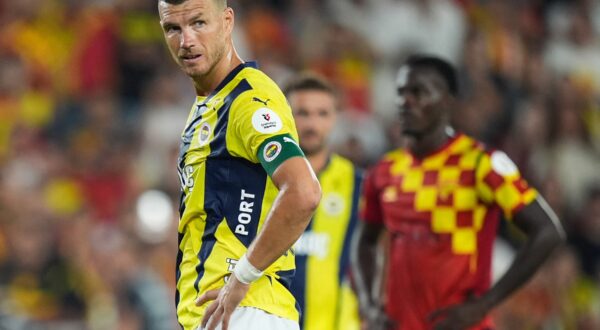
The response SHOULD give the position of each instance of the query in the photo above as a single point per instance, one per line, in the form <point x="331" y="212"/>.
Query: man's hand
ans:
<point x="459" y="317"/>
<point x="226" y="300"/>
<point x="376" y="319"/>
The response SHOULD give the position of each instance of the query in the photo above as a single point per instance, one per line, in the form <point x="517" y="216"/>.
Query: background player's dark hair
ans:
<point x="309" y="81"/>
<point x="442" y="67"/>
<point x="178" y="2"/>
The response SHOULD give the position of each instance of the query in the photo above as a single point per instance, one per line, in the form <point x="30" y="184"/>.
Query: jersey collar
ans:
<point x="451" y="140"/>
<point x="326" y="165"/>
<point x="228" y="78"/>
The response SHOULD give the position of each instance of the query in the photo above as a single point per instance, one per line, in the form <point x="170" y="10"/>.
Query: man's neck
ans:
<point x="422" y="146"/>
<point x="206" y="84"/>
<point x="319" y="160"/>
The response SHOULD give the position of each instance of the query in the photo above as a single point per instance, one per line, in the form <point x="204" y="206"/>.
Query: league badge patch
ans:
<point x="265" y="120"/>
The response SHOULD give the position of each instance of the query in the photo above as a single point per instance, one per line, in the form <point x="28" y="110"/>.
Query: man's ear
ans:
<point x="229" y="20"/>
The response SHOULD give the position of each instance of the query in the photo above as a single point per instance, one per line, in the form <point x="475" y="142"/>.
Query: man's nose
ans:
<point x="402" y="100"/>
<point x="187" y="40"/>
<point x="405" y="102"/>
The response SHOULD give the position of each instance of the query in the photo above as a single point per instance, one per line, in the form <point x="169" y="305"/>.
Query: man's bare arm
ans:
<point x="367" y="274"/>
<point x="544" y="233"/>
<point x="299" y="196"/>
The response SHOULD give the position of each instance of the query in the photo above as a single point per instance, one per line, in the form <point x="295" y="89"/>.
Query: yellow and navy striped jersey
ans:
<point x="227" y="194"/>
<point x="321" y="284"/>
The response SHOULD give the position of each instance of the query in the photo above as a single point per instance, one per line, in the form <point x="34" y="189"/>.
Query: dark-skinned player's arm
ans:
<point x="367" y="273"/>
<point x="299" y="196"/>
<point x="363" y="256"/>
<point x="544" y="233"/>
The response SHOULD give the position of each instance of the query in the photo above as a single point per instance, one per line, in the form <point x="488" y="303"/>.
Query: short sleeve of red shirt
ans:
<point x="370" y="205"/>
<point x="500" y="183"/>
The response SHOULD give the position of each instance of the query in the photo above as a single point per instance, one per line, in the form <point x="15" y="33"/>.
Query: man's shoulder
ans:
<point x="471" y="144"/>
<point x="263" y="93"/>
<point x="261" y="83"/>
<point x="248" y="83"/>
<point x="340" y="165"/>
<point x="488" y="159"/>
<point x="337" y="160"/>
<point x="382" y="168"/>
<point x="465" y="143"/>
<point x="397" y="155"/>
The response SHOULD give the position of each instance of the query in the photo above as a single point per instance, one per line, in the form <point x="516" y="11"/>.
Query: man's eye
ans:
<point x="302" y="113"/>
<point x="199" y="23"/>
<point x="171" y="28"/>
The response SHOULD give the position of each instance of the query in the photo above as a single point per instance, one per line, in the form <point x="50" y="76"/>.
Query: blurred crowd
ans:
<point x="91" y="110"/>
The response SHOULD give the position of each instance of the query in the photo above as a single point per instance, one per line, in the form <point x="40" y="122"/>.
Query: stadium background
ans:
<point x="91" y="108"/>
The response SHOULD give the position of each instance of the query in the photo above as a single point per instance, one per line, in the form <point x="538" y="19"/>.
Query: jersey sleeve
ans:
<point x="370" y="204"/>
<point x="262" y="129"/>
<point x="500" y="183"/>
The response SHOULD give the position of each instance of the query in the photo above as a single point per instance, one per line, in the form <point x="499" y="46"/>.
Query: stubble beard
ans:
<point x="212" y="62"/>
<point x="313" y="150"/>
<point x="409" y="132"/>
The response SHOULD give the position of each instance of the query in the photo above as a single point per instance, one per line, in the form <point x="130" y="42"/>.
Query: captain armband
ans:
<point x="276" y="150"/>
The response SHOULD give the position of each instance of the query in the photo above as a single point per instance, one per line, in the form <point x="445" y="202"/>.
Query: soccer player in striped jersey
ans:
<point x="321" y="284"/>
<point x="440" y="200"/>
<point x="248" y="192"/>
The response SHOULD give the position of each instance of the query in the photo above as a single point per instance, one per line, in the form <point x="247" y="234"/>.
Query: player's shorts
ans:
<point x="250" y="318"/>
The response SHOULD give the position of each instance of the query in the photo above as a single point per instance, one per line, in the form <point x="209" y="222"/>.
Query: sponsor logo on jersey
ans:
<point x="186" y="177"/>
<point x="272" y="150"/>
<point x="245" y="215"/>
<point x="313" y="244"/>
<point x="265" y="120"/>
<point x="231" y="264"/>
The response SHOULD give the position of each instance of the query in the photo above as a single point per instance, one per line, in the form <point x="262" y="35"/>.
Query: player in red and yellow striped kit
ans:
<point x="440" y="200"/>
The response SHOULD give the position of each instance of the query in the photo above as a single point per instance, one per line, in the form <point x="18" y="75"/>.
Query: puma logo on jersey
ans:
<point x="287" y="139"/>
<point x="261" y="101"/>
